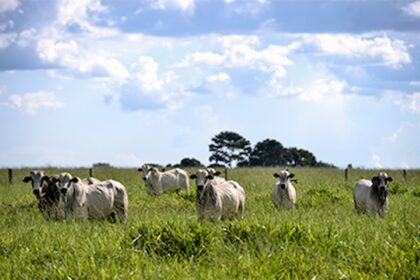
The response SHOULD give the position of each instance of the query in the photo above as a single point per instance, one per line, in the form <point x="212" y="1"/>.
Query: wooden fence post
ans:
<point x="10" y="175"/>
<point x="405" y="174"/>
<point x="346" y="174"/>
<point x="226" y="173"/>
<point x="90" y="172"/>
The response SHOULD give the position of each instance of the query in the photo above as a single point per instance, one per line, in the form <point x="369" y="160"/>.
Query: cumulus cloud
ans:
<point x="8" y="5"/>
<point x="32" y="102"/>
<point x="412" y="9"/>
<point x="182" y="5"/>
<point x="318" y="91"/>
<point x="68" y="54"/>
<point x="392" y="53"/>
<point x="220" y="77"/>
<point x="414" y="102"/>
<point x="146" y="74"/>
<point x="376" y="160"/>
<point x="77" y="12"/>
<point x="243" y="52"/>
<point x="6" y="39"/>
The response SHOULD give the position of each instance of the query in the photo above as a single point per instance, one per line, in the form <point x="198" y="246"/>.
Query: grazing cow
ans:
<point x="283" y="193"/>
<point x="47" y="194"/>
<point x="106" y="199"/>
<point x="217" y="200"/>
<point x="90" y="181"/>
<point x="160" y="182"/>
<point x="371" y="196"/>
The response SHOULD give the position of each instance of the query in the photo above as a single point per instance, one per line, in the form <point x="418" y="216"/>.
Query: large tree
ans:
<point x="229" y="147"/>
<point x="268" y="153"/>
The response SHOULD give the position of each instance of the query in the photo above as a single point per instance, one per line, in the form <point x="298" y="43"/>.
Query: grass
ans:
<point x="323" y="237"/>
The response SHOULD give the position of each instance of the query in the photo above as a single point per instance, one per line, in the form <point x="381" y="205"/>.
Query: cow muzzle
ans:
<point x="36" y="193"/>
<point x="283" y="186"/>
<point x="63" y="191"/>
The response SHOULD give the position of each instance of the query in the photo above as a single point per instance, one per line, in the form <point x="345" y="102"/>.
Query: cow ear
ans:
<point x="139" y="169"/>
<point x="193" y="176"/>
<point x="27" y="179"/>
<point x="291" y="175"/>
<point x="217" y="173"/>
<point x="276" y="175"/>
<point x="45" y="178"/>
<point x="74" y="180"/>
<point x="374" y="179"/>
<point x="389" y="179"/>
<point x="54" y="179"/>
<point x="210" y="176"/>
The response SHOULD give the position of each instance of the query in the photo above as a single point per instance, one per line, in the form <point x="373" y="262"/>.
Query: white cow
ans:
<point x="283" y="193"/>
<point x="218" y="200"/>
<point x="371" y="196"/>
<point x="105" y="199"/>
<point x="160" y="182"/>
<point x="91" y="181"/>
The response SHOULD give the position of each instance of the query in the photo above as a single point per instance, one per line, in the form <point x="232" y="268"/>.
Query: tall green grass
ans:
<point x="322" y="237"/>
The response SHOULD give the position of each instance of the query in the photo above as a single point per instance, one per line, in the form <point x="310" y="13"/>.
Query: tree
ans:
<point x="300" y="157"/>
<point x="229" y="147"/>
<point x="190" y="162"/>
<point x="268" y="153"/>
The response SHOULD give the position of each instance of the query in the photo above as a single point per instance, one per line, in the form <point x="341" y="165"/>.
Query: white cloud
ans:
<point x="145" y="71"/>
<point x="206" y="58"/>
<point x="412" y="9"/>
<point x="182" y="5"/>
<point x="414" y="102"/>
<point x="242" y="52"/>
<point x="69" y="55"/>
<point x="220" y="77"/>
<point x="392" y="53"/>
<point x="6" y="39"/>
<point x="31" y="102"/>
<point x="26" y="37"/>
<point x="376" y="160"/>
<point x="394" y="137"/>
<point x="8" y="5"/>
<point x="322" y="90"/>
<point x="77" y="11"/>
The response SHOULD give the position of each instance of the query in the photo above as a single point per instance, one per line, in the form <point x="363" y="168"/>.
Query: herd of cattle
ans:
<point x="64" y="197"/>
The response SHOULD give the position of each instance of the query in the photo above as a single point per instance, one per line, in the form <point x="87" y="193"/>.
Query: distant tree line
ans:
<point x="229" y="148"/>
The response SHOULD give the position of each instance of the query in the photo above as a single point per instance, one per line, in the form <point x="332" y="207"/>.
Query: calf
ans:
<point x="217" y="200"/>
<point x="160" y="182"/>
<point x="283" y="193"/>
<point x="371" y="196"/>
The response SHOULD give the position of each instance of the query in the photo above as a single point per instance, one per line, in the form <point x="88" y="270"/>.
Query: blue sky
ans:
<point x="129" y="82"/>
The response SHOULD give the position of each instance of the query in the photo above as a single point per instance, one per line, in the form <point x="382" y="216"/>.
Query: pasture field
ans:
<point x="323" y="237"/>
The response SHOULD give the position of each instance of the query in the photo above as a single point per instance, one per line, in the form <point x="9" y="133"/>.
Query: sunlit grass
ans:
<point x="162" y="239"/>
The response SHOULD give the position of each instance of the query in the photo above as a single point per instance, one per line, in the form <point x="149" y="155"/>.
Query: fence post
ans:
<point x="10" y="175"/>
<point x="405" y="174"/>
<point x="346" y="174"/>
<point x="91" y="172"/>
<point x="226" y="173"/>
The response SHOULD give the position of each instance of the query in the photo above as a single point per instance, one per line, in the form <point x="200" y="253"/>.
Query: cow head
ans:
<point x="35" y="177"/>
<point x="202" y="176"/>
<point x="380" y="183"/>
<point x="283" y="177"/>
<point x="64" y="181"/>
<point x="145" y="169"/>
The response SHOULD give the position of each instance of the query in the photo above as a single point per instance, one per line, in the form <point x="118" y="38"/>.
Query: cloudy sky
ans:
<point x="129" y="82"/>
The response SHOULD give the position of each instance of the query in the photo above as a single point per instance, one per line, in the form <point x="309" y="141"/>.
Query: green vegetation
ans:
<point x="322" y="237"/>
